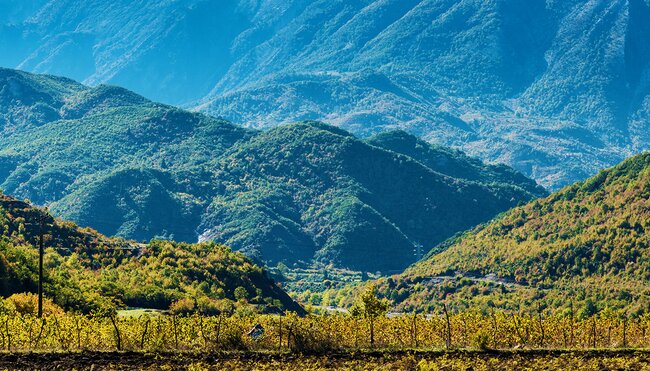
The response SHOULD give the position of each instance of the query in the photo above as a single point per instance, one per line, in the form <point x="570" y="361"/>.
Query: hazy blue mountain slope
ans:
<point x="535" y="85"/>
<point x="569" y="74"/>
<point x="28" y="100"/>
<point x="556" y="89"/>
<point x="448" y="161"/>
<point x="169" y="51"/>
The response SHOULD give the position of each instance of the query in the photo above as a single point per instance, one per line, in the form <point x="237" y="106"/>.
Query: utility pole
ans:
<point x="40" y="267"/>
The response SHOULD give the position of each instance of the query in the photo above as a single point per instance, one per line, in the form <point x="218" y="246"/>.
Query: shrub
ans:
<point x="481" y="341"/>
<point x="27" y="303"/>
<point x="185" y="306"/>
<point x="212" y="307"/>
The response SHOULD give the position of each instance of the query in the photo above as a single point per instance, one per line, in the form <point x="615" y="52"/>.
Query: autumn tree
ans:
<point x="370" y="307"/>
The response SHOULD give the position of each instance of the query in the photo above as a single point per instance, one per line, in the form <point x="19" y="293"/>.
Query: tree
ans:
<point x="241" y="293"/>
<point x="370" y="307"/>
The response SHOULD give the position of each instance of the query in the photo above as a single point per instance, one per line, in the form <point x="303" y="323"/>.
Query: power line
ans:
<point x="418" y="252"/>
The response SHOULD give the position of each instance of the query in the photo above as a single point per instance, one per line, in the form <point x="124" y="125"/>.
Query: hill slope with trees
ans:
<point x="586" y="244"/>
<point x="87" y="271"/>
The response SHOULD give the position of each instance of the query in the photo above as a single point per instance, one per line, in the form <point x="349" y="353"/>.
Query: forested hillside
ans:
<point x="587" y="244"/>
<point x="321" y="193"/>
<point x="87" y="271"/>
<point x="107" y="158"/>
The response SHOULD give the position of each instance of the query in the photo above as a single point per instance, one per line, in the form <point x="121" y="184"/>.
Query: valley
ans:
<point x="324" y="210"/>
<point x="325" y="184"/>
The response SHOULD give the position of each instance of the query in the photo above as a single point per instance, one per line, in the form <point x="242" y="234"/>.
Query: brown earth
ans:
<point x="403" y="360"/>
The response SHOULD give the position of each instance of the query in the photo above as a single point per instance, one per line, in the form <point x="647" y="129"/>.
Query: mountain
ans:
<point x="320" y="192"/>
<point x="85" y="270"/>
<point x="297" y="194"/>
<point x="587" y="242"/>
<point x="89" y="131"/>
<point x="556" y="89"/>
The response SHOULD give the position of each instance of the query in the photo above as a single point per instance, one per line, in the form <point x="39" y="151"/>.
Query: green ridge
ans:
<point x="587" y="243"/>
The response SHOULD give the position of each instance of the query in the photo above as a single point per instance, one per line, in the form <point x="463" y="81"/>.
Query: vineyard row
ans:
<point x="319" y="333"/>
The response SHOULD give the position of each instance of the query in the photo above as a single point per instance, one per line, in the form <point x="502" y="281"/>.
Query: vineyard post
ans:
<point x="528" y="328"/>
<point x="78" y="328"/>
<point x="516" y="322"/>
<point x="219" y="328"/>
<point x="30" y="331"/>
<point x="463" y="317"/>
<point x="593" y="331"/>
<point x="3" y="339"/>
<point x="564" y="333"/>
<point x="624" y="331"/>
<point x="8" y="334"/>
<point x="541" y="325"/>
<point x="175" y="331"/>
<point x="160" y="330"/>
<point x="642" y="323"/>
<point x="571" y="324"/>
<point x="118" y="338"/>
<point x="144" y="333"/>
<point x="495" y="325"/>
<point x="356" y="336"/>
<point x="280" y="333"/>
<point x="201" y="328"/>
<point x="40" y="333"/>
<point x="289" y="334"/>
<point x="329" y="328"/>
<point x="372" y="332"/>
<point x="415" y="330"/>
<point x="57" y="331"/>
<point x="448" y="340"/>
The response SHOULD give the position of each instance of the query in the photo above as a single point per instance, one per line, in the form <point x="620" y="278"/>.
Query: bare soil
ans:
<point x="402" y="360"/>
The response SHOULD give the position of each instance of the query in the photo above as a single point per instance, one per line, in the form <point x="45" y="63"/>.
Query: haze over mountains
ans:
<point x="108" y="158"/>
<point x="556" y="89"/>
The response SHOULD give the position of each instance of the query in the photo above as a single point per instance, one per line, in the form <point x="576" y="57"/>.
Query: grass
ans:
<point x="138" y="312"/>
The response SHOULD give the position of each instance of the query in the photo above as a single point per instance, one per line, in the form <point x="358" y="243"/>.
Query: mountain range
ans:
<point x="556" y="89"/>
<point x="308" y="192"/>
